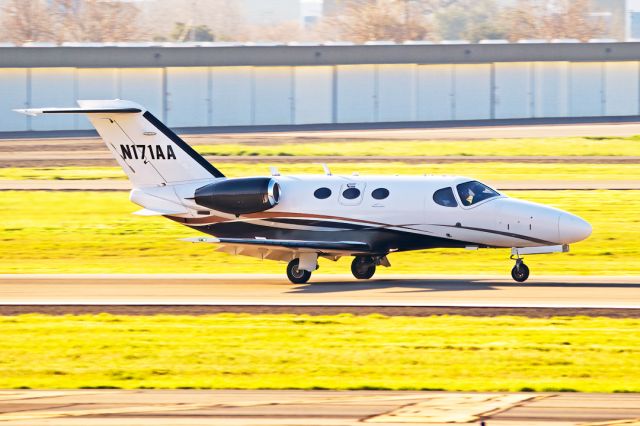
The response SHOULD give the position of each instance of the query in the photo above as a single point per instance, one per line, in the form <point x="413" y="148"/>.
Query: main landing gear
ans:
<point x="520" y="271"/>
<point x="295" y="275"/>
<point x="363" y="267"/>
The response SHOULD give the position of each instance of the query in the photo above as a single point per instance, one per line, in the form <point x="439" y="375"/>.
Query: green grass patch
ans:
<point x="572" y="146"/>
<point x="452" y="353"/>
<point x="484" y="171"/>
<point x="95" y="232"/>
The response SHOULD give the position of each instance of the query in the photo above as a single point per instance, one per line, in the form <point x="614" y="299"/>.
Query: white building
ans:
<point x="632" y="18"/>
<point x="202" y="86"/>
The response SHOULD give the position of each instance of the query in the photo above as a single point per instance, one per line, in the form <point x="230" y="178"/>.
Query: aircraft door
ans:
<point x="442" y="212"/>
<point x="351" y="194"/>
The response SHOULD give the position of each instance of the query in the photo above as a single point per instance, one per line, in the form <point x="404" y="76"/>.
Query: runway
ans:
<point x="551" y="292"/>
<point x="313" y="408"/>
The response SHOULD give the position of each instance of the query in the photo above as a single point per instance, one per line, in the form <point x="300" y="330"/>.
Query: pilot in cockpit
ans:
<point x="473" y="192"/>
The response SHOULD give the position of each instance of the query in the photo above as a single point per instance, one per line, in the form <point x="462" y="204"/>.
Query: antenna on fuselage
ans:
<point x="326" y="169"/>
<point x="274" y="171"/>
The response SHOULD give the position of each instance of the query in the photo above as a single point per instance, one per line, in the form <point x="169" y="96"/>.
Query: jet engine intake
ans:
<point x="239" y="196"/>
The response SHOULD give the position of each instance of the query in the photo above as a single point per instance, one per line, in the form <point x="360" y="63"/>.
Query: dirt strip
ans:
<point x="414" y="311"/>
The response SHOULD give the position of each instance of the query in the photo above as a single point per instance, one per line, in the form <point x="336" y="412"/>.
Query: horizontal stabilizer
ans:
<point x="320" y="246"/>
<point x="37" y="111"/>
<point x="149" y="212"/>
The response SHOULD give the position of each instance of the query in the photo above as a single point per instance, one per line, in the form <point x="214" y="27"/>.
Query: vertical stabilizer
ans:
<point x="149" y="152"/>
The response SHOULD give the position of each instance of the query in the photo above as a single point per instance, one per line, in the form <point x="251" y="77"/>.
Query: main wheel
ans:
<point x="295" y="275"/>
<point x="363" y="268"/>
<point x="520" y="272"/>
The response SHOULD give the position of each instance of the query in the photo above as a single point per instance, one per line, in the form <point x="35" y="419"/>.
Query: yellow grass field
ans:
<point x="321" y="352"/>
<point x="501" y="171"/>
<point x="95" y="232"/>
<point x="589" y="146"/>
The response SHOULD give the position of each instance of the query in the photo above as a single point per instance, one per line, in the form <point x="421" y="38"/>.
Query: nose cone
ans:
<point x="572" y="228"/>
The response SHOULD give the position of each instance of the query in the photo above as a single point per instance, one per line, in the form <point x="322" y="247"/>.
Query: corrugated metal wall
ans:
<point x="243" y="95"/>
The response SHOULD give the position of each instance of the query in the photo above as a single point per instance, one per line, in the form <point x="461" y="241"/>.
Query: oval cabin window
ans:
<point x="322" y="193"/>
<point x="380" y="193"/>
<point x="351" y="193"/>
<point x="445" y="197"/>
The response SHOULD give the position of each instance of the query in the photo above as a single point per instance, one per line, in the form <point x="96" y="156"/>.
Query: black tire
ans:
<point x="520" y="273"/>
<point x="295" y="275"/>
<point x="363" y="268"/>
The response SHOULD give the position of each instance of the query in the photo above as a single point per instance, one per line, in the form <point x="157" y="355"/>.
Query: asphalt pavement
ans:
<point x="313" y="408"/>
<point x="323" y="290"/>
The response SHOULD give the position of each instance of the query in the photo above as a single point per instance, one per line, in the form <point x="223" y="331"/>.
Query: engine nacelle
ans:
<point x="239" y="196"/>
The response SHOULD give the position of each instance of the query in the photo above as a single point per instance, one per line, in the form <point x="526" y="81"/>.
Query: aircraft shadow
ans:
<point x="439" y="285"/>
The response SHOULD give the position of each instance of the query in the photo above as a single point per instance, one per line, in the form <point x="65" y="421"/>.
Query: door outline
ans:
<point x="356" y="201"/>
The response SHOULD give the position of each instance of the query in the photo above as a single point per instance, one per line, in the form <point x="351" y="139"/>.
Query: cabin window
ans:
<point x="380" y="193"/>
<point x="322" y="193"/>
<point x="445" y="197"/>
<point x="473" y="192"/>
<point x="351" y="193"/>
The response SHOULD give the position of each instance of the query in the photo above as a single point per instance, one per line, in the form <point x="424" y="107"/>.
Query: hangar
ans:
<point x="218" y="84"/>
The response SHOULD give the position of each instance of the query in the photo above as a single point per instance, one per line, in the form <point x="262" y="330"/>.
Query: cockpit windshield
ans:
<point x="473" y="192"/>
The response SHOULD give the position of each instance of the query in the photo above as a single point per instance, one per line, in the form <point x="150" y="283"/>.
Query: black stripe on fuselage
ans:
<point x="321" y="223"/>
<point x="182" y="144"/>
<point x="380" y="240"/>
<point x="342" y="225"/>
<point x="506" y="234"/>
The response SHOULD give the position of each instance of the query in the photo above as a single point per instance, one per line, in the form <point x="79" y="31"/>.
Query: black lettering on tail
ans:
<point x="126" y="152"/>
<point x="170" y="153"/>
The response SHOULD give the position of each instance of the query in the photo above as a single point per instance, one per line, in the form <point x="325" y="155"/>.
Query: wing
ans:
<point x="283" y="249"/>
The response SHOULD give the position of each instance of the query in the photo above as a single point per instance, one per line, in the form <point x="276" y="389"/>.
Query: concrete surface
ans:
<point x="322" y="290"/>
<point x="312" y="408"/>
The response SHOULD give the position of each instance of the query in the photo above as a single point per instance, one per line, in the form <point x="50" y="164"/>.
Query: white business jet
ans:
<point x="297" y="219"/>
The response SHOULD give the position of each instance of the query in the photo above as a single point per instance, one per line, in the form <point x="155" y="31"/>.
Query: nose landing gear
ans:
<point x="520" y="271"/>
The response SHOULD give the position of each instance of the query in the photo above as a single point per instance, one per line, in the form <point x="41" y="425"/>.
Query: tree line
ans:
<point x="355" y="21"/>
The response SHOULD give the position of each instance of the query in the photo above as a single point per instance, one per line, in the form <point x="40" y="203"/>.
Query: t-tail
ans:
<point x="148" y="151"/>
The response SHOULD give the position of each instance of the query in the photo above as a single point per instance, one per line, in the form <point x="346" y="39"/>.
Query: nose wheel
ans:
<point x="520" y="271"/>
